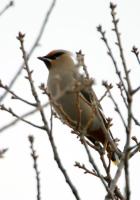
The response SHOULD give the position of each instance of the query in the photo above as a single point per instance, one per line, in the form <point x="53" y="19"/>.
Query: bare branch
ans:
<point x="9" y="110"/>
<point x="86" y="171"/>
<point x="27" y="114"/>
<point x="15" y="96"/>
<point x="129" y="97"/>
<point x="117" y="109"/>
<point x="110" y="53"/>
<point x="117" y="176"/>
<point x="2" y="152"/>
<point x="96" y="168"/>
<point x="136" y="52"/>
<point x="135" y="90"/>
<point x="36" y="43"/>
<point x="10" y="4"/>
<point x="35" y="165"/>
<point x="137" y="149"/>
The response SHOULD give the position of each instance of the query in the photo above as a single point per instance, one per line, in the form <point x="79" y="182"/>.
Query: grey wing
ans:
<point x="88" y="94"/>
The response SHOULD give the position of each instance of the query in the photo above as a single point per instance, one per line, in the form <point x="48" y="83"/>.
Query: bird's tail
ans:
<point x="114" y="155"/>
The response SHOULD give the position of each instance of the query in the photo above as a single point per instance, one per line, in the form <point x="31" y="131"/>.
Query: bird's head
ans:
<point x="57" y="57"/>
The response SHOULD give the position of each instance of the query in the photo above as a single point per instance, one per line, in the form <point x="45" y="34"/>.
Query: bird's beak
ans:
<point x="41" y="58"/>
<point x="44" y="58"/>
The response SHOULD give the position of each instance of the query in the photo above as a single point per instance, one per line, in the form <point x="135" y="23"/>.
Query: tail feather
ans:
<point x="113" y="155"/>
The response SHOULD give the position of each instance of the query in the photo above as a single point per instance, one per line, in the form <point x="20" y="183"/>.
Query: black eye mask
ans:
<point x="54" y="56"/>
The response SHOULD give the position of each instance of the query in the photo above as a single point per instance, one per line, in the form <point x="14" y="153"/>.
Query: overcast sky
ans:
<point x="71" y="26"/>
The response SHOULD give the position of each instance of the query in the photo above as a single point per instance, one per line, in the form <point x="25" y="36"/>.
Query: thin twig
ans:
<point x="2" y="152"/>
<point x="10" y="4"/>
<point x="125" y="102"/>
<point x="119" y="44"/>
<point x="110" y="53"/>
<point x="134" y="149"/>
<point x="27" y="114"/>
<point x="35" y="44"/>
<point x="108" y="179"/>
<point x="135" y="90"/>
<point x="35" y="165"/>
<point x="117" y="109"/>
<point x="122" y="94"/>
<point x="15" y="96"/>
<point x="96" y="168"/>
<point x="86" y="171"/>
<point x="9" y="110"/>
<point x="105" y="94"/>
<point x="135" y="120"/>
<point x="117" y="176"/>
<point x="137" y="148"/>
<point x="136" y="52"/>
<point x="129" y="98"/>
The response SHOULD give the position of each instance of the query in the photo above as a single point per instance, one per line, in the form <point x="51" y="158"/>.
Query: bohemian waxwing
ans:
<point x="71" y="98"/>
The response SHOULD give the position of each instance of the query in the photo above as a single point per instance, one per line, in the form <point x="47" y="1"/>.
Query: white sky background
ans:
<point x="72" y="26"/>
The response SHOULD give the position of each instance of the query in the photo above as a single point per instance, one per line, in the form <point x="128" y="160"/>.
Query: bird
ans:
<point x="75" y="101"/>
